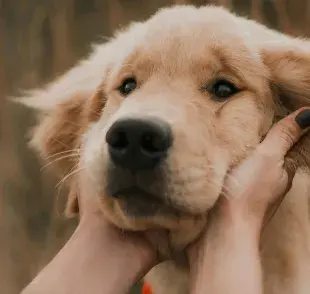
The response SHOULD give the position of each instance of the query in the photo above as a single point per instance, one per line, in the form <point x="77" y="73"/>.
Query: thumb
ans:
<point x="284" y="134"/>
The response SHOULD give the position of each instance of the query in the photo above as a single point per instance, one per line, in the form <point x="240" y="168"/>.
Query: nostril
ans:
<point x="117" y="140"/>
<point x="154" y="143"/>
<point x="120" y="141"/>
<point x="149" y="143"/>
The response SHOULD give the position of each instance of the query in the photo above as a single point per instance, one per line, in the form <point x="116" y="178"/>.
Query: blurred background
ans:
<point x="40" y="39"/>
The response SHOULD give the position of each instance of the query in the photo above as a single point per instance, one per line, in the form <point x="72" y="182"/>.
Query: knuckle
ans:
<point x="288" y="132"/>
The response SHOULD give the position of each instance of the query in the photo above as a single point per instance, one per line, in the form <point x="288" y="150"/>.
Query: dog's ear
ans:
<point x="289" y="64"/>
<point x="65" y="108"/>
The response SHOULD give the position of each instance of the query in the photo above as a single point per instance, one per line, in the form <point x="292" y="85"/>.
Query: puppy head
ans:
<point x="156" y="118"/>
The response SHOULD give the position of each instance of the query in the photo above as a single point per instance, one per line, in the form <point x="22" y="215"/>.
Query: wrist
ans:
<point x="229" y="240"/>
<point x="239" y="217"/>
<point x="222" y="231"/>
<point x="242" y="225"/>
<point x="94" y="260"/>
<point x="131" y="257"/>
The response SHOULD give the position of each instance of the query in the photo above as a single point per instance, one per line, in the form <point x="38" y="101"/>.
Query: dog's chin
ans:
<point x="138" y="210"/>
<point x="166" y="228"/>
<point x="140" y="204"/>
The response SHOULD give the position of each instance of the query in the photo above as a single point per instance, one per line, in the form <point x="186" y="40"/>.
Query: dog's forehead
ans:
<point x="193" y="28"/>
<point x="186" y="37"/>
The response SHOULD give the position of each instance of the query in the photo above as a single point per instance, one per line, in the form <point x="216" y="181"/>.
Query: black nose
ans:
<point x="138" y="144"/>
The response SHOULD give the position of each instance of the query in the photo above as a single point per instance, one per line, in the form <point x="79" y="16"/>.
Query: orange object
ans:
<point x="146" y="289"/>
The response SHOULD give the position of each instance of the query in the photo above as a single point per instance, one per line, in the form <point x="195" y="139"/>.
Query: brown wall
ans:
<point x="39" y="40"/>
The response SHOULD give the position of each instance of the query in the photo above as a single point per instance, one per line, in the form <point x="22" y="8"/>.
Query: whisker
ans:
<point x="72" y="123"/>
<point x="68" y="176"/>
<point x="59" y="188"/>
<point x="62" y="152"/>
<point x="58" y="159"/>
<point x="61" y="142"/>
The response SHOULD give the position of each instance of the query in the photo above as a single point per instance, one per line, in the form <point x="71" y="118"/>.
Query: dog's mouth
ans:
<point x="142" y="194"/>
<point x="146" y="195"/>
<point x="138" y="202"/>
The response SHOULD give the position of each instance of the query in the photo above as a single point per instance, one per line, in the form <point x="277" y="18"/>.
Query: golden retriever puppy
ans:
<point x="154" y="120"/>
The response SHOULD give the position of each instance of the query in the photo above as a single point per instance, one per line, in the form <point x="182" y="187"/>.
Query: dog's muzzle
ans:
<point x="136" y="171"/>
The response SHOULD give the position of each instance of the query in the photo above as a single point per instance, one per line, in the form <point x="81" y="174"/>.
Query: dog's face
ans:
<point x="174" y="104"/>
<point x="183" y="106"/>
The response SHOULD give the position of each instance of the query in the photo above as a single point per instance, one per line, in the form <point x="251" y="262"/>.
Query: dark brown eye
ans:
<point x="128" y="86"/>
<point x="223" y="89"/>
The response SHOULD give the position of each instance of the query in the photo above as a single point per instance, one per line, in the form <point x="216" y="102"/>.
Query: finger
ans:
<point x="284" y="134"/>
<point x="273" y="207"/>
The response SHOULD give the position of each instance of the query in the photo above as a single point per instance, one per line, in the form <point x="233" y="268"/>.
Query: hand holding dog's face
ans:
<point x="159" y="117"/>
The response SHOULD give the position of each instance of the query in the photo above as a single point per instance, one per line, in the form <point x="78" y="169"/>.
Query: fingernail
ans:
<point x="303" y="119"/>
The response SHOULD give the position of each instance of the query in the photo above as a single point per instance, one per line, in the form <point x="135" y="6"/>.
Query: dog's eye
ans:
<point x="128" y="86"/>
<point x="223" y="89"/>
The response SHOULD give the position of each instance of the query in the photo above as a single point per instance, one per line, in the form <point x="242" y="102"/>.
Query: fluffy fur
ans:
<point x="173" y="56"/>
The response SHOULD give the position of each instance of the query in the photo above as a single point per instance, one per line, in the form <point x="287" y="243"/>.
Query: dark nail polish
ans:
<point x="303" y="119"/>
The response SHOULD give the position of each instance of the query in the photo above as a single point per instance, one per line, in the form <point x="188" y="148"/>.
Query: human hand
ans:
<point x="98" y="258"/>
<point x="258" y="185"/>
<point x="261" y="180"/>
<point x="231" y="239"/>
<point x="133" y="246"/>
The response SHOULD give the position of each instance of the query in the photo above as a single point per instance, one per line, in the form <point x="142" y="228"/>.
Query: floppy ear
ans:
<point x="69" y="104"/>
<point x="65" y="108"/>
<point x="289" y="64"/>
<point x="57" y="137"/>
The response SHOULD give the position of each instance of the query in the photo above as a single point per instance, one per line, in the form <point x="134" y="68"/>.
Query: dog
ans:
<point x="155" y="118"/>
